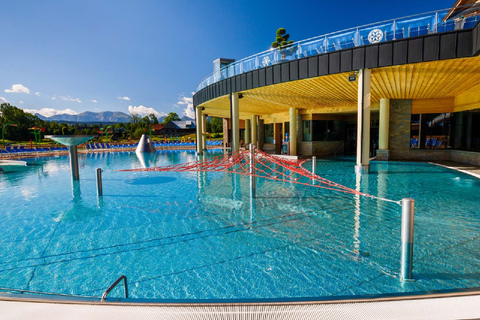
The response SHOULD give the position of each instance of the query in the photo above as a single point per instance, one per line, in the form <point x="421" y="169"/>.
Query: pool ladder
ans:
<point x="122" y="277"/>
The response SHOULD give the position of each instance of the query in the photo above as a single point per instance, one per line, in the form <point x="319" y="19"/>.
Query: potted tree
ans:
<point x="282" y="43"/>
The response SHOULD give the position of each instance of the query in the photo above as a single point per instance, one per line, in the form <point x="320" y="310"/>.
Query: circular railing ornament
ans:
<point x="376" y="35"/>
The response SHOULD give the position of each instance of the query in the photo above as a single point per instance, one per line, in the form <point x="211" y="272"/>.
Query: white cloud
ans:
<point x="188" y="102"/>
<point x="18" y="88"/>
<point x="94" y="101"/>
<point x="124" y="98"/>
<point x="48" y="112"/>
<point x="68" y="98"/>
<point x="21" y="102"/>
<point x="37" y="94"/>
<point x="3" y="100"/>
<point x="142" y="110"/>
<point x="54" y="98"/>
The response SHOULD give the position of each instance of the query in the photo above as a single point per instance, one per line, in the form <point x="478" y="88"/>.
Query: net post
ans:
<point x="408" y="215"/>
<point x="252" y="171"/>
<point x="99" y="183"/>
<point x="314" y="164"/>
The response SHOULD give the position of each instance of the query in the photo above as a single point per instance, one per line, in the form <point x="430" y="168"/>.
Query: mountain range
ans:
<point x="97" y="117"/>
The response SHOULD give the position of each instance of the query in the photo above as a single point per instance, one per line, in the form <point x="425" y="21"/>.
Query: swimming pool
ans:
<point x="199" y="235"/>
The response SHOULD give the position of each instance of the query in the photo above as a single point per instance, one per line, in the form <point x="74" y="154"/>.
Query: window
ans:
<point x="431" y="131"/>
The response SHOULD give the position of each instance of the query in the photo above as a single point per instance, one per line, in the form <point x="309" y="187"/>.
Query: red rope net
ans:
<point x="265" y="166"/>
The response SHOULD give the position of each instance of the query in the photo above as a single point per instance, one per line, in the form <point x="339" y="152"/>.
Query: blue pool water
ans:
<point x="199" y="235"/>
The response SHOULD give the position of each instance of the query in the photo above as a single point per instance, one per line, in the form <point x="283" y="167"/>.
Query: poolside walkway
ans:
<point x="462" y="167"/>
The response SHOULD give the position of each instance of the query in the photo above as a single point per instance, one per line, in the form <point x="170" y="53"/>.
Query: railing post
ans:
<point x="252" y="171"/>
<point x="408" y="215"/>
<point x="394" y="30"/>
<point x="314" y="164"/>
<point x="99" y="183"/>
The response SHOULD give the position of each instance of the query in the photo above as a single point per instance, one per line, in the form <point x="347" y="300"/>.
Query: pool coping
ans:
<point x="469" y="169"/>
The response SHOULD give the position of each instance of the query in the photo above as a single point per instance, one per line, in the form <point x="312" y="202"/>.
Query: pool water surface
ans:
<point x="199" y="235"/>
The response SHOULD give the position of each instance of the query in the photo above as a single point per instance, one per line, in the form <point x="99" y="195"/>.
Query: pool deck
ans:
<point x="462" y="167"/>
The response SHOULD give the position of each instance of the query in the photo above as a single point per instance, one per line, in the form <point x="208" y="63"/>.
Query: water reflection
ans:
<point x="147" y="159"/>
<point x="77" y="210"/>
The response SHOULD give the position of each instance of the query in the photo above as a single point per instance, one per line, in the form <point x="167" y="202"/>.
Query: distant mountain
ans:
<point x="89" y="117"/>
<point x="185" y="118"/>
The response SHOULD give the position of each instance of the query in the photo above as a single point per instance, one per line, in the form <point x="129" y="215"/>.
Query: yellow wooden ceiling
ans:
<point x="335" y="94"/>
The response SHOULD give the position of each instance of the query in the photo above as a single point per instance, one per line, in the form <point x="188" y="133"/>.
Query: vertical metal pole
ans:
<point x="408" y="215"/>
<point x="314" y="164"/>
<point x="72" y="150"/>
<point x="99" y="183"/>
<point x="252" y="171"/>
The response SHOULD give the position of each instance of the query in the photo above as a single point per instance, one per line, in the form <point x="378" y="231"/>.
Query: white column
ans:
<point x="204" y="131"/>
<point x="198" y="124"/>
<point x="384" y="124"/>
<point x="247" y="132"/>
<point x="254" y="129"/>
<point x="363" y="122"/>
<point x="293" y="132"/>
<point x="235" y="122"/>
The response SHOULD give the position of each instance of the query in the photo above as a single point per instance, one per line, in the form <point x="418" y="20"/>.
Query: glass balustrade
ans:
<point x="389" y="30"/>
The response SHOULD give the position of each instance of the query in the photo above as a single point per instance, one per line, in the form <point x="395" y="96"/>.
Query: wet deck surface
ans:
<point x="462" y="167"/>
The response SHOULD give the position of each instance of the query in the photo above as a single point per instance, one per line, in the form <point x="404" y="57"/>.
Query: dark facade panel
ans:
<point x="224" y="87"/>
<point x="229" y="85"/>
<point x="358" y="58"/>
<point x="415" y="50"/>
<point x="334" y="62"/>
<point x="269" y="75"/>
<point x="385" y="54"/>
<point x="249" y="80"/>
<point x="313" y="66"/>
<point x="323" y="64"/>
<point x="371" y="56"/>
<point x="262" y="79"/>
<point x="431" y="48"/>
<point x="255" y="79"/>
<point x="217" y="89"/>
<point x="464" y="44"/>
<point x="476" y="39"/>
<point x="293" y="70"/>
<point x="400" y="52"/>
<point x="285" y="72"/>
<point x="346" y="61"/>
<point x="277" y="74"/>
<point x="243" y="82"/>
<point x="303" y="68"/>
<point x="447" y="45"/>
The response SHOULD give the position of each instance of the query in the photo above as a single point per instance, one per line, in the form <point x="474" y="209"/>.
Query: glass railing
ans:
<point x="395" y="29"/>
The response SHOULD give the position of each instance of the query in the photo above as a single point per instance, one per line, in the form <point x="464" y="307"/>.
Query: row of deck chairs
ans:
<point x="23" y="150"/>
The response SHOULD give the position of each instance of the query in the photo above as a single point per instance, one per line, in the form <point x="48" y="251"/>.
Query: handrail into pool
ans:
<point x="125" y="285"/>
<point x="386" y="30"/>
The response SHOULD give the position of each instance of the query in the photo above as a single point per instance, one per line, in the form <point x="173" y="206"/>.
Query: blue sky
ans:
<point x="135" y="56"/>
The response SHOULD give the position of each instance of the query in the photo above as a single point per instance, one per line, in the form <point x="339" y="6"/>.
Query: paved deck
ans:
<point x="462" y="167"/>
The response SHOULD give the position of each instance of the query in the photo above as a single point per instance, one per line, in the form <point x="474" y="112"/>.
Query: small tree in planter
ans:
<point x="282" y="43"/>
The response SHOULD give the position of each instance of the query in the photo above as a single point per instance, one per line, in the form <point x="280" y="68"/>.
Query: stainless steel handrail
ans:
<point x="122" y="277"/>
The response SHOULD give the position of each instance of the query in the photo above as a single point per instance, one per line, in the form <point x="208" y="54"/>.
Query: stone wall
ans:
<point x="465" y="157"/>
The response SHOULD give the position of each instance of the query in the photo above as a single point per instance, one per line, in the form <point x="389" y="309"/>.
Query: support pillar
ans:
<point x="204" y="131"/>
<point x="383" y="130"/>
<point x="235" y="121"/>
<point x="261" y="133"/>
<point x="72" y="150"/>
<point x="247" y="132"/>
<point x="254" y="119"/>
<point x="198" y="123"/>
<point x="293" y="132"/>
<point x="363" y="122"/>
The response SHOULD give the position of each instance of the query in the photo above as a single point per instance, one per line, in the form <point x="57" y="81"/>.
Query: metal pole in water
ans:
<point x="252" y="171"/>
<point x="72" y="150"/>
<point x="314" y="164"/>
<point x="408" y="215"/>
<point x="99" y="183"/>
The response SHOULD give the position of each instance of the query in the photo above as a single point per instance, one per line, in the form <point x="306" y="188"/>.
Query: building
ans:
<point x="178" y="128"/>
<point x="405" y="89"/>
